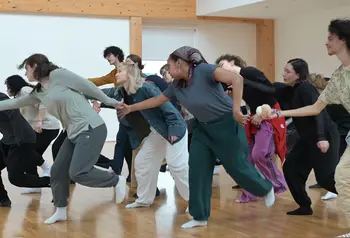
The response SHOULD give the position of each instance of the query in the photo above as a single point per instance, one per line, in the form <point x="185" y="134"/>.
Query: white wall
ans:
<point x="216" y="38"/>
<point x="70" y="42"/>
<point x="304" y="36"/>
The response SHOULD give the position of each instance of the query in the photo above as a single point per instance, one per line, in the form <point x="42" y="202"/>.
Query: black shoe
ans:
<point x="128" y="179"/>
<point x="72" y="182"/>
<point x="315" y="186"/>
<point x="301" y="211"/>
<point x="5" y="203"/>
<point x="157" y="194"/>
<point x="163" y="168"/>
<point x="236" y="187"/>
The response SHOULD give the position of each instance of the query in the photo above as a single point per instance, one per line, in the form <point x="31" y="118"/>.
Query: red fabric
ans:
<point x="279" y="135"/>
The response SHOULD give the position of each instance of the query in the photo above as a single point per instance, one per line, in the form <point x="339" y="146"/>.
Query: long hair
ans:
<point x="15" y="83"/>
<point x="43" y="67"/>
<point x="135" y="79"/>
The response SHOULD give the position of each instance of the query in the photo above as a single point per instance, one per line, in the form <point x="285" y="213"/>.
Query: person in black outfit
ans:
<point x="17" y="153"/>
<point x="318" y="144"/>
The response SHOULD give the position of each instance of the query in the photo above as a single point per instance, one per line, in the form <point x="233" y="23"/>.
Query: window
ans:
<point x="153" y="67"/>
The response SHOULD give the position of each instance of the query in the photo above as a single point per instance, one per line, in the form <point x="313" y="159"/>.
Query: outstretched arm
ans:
<point x="150" y="103"/>
<point x="80" y="84"/>
<point x="170" y="114"/>
<point x="19" y="102"/>
<point x="311" y="110"/>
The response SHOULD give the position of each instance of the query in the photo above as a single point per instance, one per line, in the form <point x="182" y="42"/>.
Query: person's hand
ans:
<point x="173" y="138"/>
<point x="323" y="145"/>
<point x="123" y="109"/>
<point x="256" y="120"/>
<point x="238" y="115"/>
<point x="274" y="114"/>
<point x="38" y="126"/>
<point x="96" y="106"/>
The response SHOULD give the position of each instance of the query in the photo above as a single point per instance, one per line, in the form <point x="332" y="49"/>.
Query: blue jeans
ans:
<point x="122" y="149"/>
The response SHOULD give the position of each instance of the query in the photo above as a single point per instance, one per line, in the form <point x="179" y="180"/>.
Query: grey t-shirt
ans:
<point x="31" y="112"/>
<point x="64" y="99"/>
<point x="205" y="98"/>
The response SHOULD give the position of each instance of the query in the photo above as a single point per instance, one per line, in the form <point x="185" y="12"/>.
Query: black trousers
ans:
<point x="103" y="161"/>
<point x="21" y="163"/>
<point x="122" y="149"/>
<point x="43" y="141"/>
<point x="305" y="156"/>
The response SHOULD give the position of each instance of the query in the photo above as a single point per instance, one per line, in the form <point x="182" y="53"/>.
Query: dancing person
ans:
<point x="18" y="152"/>
<point x="216" y="134"/>
<point x="63" y="94"/>
<point x="45" y="125"/>
<point x="161" y="83"/>
<point x="189" y="118"/>
<point x="159" y="133"/>
<point x="336" y="92"/>
<point x="338" y="114"/>
<point x="264" y="137"/>
<point x="122" y="149"/>
<point x="317" y="147"/>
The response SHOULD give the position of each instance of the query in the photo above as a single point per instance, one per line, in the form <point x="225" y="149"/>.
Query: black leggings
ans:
<point x="21" y="162"/>
<point x="306" y="156"/>
<point x="43" y="141"/>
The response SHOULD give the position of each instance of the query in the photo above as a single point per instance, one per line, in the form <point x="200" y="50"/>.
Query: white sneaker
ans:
<point x="345" y="235"/>
<point x="31" y="190"/>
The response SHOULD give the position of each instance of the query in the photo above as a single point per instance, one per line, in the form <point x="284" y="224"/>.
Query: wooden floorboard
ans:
<point x="93" y="214"/>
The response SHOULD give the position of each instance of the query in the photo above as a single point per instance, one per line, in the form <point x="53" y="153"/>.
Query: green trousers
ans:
<point x="225" y="139"/>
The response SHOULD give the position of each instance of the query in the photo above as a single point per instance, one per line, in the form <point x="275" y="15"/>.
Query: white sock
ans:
<point x="136" y="205"/>
<point x="120" y="190"/>
<point x="46" y="167"/>
<point x="31" y="190"/>
<point x="270" y="198"/>
<point x="194" y="223"/>
<point x="345" y="235"/>
<point x="329" y="195"/>
<point x="216" y="169"/>
<point x="59" y="215"/>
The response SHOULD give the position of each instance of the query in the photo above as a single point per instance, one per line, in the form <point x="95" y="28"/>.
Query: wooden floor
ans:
<point x="93" y="214"/>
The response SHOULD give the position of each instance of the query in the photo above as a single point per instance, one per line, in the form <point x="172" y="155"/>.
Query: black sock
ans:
<point x="301" y="211"/>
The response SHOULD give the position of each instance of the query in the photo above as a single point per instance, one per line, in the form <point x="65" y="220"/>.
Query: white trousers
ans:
<point x="149" y="160"/>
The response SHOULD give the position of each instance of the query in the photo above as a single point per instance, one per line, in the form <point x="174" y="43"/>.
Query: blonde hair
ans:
<point x="135" y="79"/>
<point x="318" y="81"/>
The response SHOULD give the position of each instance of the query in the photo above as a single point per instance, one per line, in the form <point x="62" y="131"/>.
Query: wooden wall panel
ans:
<point x="105" y="8"/>
<point x="265" y="48"/>
<point x="136" y="36"/>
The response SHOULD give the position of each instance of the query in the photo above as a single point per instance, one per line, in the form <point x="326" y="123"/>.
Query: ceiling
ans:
<point x="279" y="8"/>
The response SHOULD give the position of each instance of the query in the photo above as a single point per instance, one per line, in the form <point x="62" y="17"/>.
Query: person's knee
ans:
<point x="15" y="179"/>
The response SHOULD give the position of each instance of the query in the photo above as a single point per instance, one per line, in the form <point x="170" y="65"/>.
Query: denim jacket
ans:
<point x="165" y="119"/>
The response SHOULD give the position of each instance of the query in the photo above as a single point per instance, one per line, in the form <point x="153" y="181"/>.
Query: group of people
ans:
<point x="188" y="118"/>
